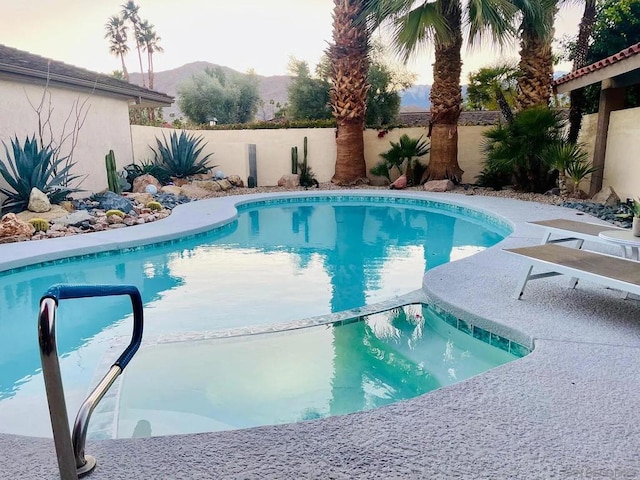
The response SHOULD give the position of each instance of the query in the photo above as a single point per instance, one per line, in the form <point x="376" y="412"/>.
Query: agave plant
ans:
<point x="28" y="166"/>
<point x="178" y="157"/>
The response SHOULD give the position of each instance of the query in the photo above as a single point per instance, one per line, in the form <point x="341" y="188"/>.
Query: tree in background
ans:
<point x="117" y="36"/>
<point x="348" y="55"/>
<point x="214" y="94"/>
<point x="130" y="12"/>
<point x="536" y="60"/>
<point x="439" y="22"/>
<point x="492" y="88"/>
<point x="150" y="45"/>
<point x="308" y="96"/>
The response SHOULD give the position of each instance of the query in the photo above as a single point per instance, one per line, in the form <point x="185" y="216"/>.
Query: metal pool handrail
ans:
<point x="72" y="461"/>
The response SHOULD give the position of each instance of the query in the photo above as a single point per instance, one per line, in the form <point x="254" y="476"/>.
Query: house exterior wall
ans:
<point x="273" y="149"/>
<point x="106" y="126"/>
<point x="622" y="163"/>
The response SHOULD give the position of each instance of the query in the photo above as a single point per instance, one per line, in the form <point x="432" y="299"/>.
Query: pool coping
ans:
<point x="544" y="416"/>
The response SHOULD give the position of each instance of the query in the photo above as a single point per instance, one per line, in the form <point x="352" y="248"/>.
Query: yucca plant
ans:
<point x="578" y="171"/>
<point x="178" y="157"/>
<point x="28" y="166"/>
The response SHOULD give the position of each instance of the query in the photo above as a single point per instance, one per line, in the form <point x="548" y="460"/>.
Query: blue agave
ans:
<point x="28" y="166"/>
<point x="178" y="157"/>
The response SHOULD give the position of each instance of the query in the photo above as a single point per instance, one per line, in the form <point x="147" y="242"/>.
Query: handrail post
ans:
<point x="72" y="462"/>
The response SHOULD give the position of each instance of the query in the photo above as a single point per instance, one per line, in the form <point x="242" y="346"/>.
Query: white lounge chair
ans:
<point x="608" y="270"/>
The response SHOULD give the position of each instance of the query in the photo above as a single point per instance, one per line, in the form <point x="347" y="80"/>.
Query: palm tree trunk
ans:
<point x="350" y="165"/>
<point x="446" y="100"/>
<point x="580" y="60"/>
<point x="125" y="72"/>
<point x="144" y="84"/>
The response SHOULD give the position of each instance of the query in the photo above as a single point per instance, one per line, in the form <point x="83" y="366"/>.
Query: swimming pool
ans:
<point x="280" y="261"/>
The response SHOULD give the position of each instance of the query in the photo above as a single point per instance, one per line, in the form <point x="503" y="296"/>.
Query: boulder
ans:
<point x="56" y="212"/>
<point x="379" y="181"/>
<point x="12" y="229"/>
<point x="38" y="201"/>
<point x="225" y="184"/>
<point x="400" y="183"/>
<point x="195" y="192"/>
<point x="141" y="198"/>
<point x="179" y="181"/>
<point x="607" y="196"/>
<point x="439" y="186"/>
<point x="291" y="180"/>
<point x="112" y="201"/>
<point x="210" y="185"/>
<point x="140" y="183"/>
<point x="67" y="205"/>
<point x="236" y="181"/>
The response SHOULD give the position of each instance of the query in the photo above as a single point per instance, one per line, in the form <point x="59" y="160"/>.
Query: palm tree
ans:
<point x="130" y="12"/>
<point x="348" y="93"/>
<point x="536" y="62"/>
<point x="117" y="36"/>
<point x="580" y="60"/>
<point x="150" y="45"/>
<point x="440" y="22"/>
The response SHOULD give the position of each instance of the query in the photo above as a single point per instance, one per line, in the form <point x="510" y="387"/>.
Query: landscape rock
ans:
<point x="112" y="201"/>
<point x="439" y="186"/>
<point x="235" y="180"/>
<point x="75" y="218"/>
<point x="400" y="183"/>
<point x="38" y="201"/>
<point x="12" y="229"/>
<point x="141" y="198"/>
<point x="56" y="212"/>
<point x="291" y="180"/>
<point x="140" y="183"/>
<point x="195" y="193"/>
<point x="225" y="184"/>
<point x="210" y="185"/>
<point x="67" y="205"/>
<point x="607" y="196"/>
<point x="171" y="189"/>
<point x="379" y="181"/>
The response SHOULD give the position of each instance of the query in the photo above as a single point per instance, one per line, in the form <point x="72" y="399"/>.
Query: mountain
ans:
<point x="415" y="98"/>
<point x="270" y="88"/>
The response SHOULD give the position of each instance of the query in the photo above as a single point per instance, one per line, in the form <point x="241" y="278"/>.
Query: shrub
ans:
<point x="28" y="166"/>
<point x="520" y="148"/>
<point x="133" y="170"/>
<point x="178" y="157"/>
<point x="403" y="156"/>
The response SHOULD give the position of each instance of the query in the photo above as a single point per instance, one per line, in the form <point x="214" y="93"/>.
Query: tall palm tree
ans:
<point x="150" y="45"/>
<point x="580" y="60"/>
<point x="536" y="63"/>
<point x="130" y="12"/>
<point x="348" y="55"/>
<point x="117" y="36"/>
<point x="440" y="22"/>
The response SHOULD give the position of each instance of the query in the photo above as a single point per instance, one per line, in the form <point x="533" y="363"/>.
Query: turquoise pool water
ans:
<point x="292" y="376"/>
<point x="279" y="261"/>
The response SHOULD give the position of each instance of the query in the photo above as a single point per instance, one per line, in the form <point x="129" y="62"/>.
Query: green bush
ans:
<point x="403" y="156"/>
<point x="520" y="148"/>
<point x="178" y="157"/>
<point x="28" y="166"/>
<point x="146" y="167"/>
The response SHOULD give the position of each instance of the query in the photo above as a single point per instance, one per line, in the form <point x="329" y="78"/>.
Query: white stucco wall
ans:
<point x="622" y="160"/>
<point x="106" y="126"/>
<point x="273" y="149"/>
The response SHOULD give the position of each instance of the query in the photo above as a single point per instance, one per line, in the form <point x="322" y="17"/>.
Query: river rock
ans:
<point x="38" y="201"/>
<point x="12" y="229"/>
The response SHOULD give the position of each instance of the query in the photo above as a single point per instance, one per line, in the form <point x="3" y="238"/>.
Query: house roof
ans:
<point x="20" y="65"/>
<point x="623" y="68"/>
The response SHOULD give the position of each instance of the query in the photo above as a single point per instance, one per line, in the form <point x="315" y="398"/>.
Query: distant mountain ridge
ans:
<point x="270" y="88"/>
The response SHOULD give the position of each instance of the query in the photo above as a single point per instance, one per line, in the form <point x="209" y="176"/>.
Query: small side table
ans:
<point x="624" y="238"/>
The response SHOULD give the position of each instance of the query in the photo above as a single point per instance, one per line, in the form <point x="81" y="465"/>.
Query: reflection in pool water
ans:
<point x="273" y="264"/>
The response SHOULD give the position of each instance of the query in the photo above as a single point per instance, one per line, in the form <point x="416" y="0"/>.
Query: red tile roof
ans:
<point x="600" y="64"/>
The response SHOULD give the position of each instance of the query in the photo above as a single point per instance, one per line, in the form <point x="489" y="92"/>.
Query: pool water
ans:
<point x="274" y="264"/>
<point x="292" y="376"/>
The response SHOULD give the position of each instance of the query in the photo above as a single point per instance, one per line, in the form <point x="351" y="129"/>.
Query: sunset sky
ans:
<point x="241" y="34"/>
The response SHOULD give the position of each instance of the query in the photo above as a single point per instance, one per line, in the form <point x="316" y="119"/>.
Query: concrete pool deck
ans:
<point x="568" y="410"/>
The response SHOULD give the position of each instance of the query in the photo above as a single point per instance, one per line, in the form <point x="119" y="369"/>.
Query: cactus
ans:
<point x="40" y="224"/>
<point x="305" y="151"/>
<point x="294" y="160"/>
<point x="157" y="206"/>
<point x="119" y="213"/>
<point x="112" y="173"/>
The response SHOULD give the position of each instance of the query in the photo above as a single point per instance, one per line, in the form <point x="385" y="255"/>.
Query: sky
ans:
<point x="240" y="34"/>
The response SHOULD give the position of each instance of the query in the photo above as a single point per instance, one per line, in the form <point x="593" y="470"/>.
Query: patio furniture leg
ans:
<point x="523" y="283"/>
<point x="574" y="280"/>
